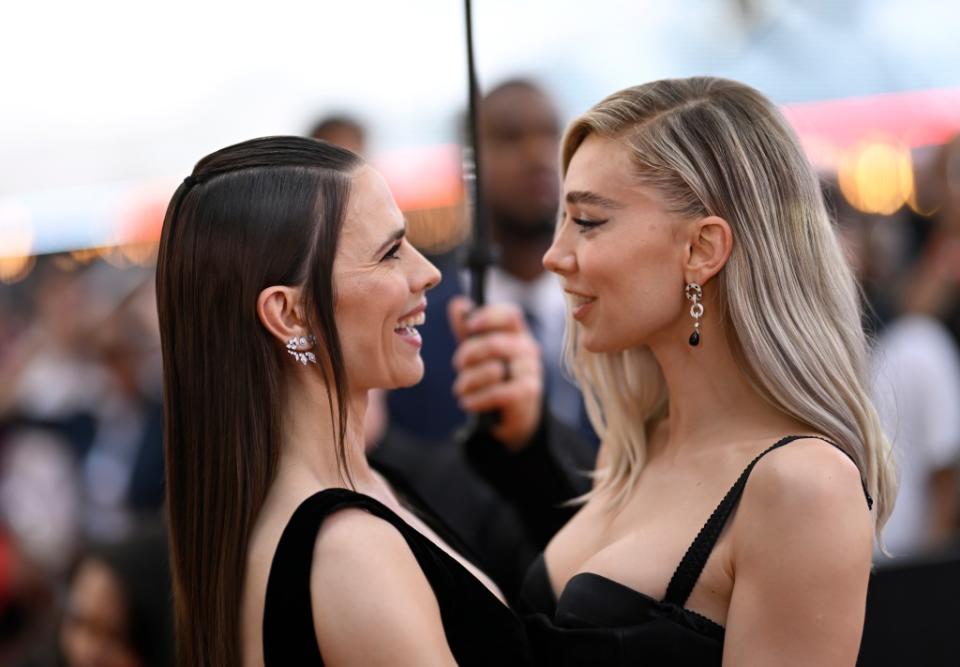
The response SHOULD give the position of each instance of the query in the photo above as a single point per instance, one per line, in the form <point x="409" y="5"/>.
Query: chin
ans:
<point x="603" y="345"/>
<point x="598" y="347"/>
<point x="407" y="377"/>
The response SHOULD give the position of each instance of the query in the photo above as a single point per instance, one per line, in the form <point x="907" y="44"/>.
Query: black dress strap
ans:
<point x="688" y="571"/>
<point x="288" y="631"/>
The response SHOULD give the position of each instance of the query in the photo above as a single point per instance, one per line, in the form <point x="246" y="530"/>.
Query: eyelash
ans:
<point x="586" y="225"/>
<point x="392" y="253"/>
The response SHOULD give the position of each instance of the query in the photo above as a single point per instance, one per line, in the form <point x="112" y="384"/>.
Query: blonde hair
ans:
<point x="787" y="296"/>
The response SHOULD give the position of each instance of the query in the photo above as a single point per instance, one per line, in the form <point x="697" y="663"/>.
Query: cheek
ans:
<point x="359" y="314"/>
<point x="639" y="287"/>
<point x="366" y="314"/>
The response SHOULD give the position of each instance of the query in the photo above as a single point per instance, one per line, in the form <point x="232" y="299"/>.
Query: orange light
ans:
<point x="14" y="269"/>
<point x="85" y="255"/>
<point x="65" y="262"/>
<point x="141" y="254"/>
<point x="877" y="177"/>
<point x="16" y="243"/>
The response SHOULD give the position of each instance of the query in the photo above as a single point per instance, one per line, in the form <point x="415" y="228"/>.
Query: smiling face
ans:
<point x="619" y="252"/>
<point x="381" y="280"/>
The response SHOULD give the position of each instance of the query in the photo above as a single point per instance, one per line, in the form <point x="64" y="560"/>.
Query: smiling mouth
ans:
<point x="579" y="299"/>
<point x="407" y="325"/>
<point x="579" y="304"/>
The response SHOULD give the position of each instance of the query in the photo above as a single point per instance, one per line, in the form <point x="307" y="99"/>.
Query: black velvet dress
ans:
<point x="480" y="630"/>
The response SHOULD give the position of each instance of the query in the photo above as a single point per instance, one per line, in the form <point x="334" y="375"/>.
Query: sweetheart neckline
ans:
<point x="613" y="582"/>
<point x="633" y="591"/>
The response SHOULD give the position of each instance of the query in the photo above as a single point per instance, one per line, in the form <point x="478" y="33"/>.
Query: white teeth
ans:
<point x="579" y="300"/>
<point x="410" y="322"/>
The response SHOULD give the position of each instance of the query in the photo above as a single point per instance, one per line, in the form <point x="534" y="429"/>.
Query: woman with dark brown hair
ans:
<point x="286" y="290"/>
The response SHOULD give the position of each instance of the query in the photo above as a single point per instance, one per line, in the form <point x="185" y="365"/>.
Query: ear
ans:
<point x="709" y="245"/>
<point x="279" y="309"/>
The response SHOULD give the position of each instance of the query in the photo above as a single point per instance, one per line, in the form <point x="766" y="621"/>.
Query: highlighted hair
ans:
<point x="787" y="296"/>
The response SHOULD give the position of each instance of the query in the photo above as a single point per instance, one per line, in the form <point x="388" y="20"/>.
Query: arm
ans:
<point x="372" y="604"/>
<point x="531" y="459"/>
<point x="801" y="549"/>
<point x="536" y="481"/>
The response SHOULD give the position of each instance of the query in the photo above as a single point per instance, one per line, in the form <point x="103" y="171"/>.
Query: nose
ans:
<point x="560" y="257"/>
<point x="425" y="276"/>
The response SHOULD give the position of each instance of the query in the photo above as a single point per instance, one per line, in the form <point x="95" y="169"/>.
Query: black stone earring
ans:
<point x="694" y="293"/>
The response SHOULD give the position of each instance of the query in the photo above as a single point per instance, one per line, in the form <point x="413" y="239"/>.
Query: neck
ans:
<point x="522" y="248"/>
<point x="711" y="399"/>
<point x="310" y="435"/>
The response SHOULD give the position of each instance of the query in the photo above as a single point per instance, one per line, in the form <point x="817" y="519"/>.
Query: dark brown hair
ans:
<point x="260" y="213"/>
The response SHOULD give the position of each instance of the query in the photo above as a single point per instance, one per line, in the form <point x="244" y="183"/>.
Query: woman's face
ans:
<point x="618" y="252"/>
<point x="380" y="283"/>
<point x="95" y="626"/>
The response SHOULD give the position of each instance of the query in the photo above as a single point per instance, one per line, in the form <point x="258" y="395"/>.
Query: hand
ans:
<point x="498" y="368"/>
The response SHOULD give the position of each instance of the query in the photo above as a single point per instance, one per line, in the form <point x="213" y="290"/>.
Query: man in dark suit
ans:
<point x="519" y="142"/>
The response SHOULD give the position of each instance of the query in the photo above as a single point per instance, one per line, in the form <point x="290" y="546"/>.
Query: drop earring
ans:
<point x="299" y="348"/>
<point x="694" y="294"/>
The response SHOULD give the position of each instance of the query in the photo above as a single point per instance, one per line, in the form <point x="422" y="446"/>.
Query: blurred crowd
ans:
<point x="84" y="578"/>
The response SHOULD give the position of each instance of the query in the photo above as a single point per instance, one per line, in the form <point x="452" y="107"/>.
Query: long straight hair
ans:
<point x="787" y="297"/>
<point x="260" y="213"/>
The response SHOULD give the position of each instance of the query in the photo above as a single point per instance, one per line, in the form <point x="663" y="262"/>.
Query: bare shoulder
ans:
<point x="356" y="554"/>
<point x="805" y="472"/>
<point x="807" y="489"/>
<point x="801" y="545"/>
<point x="365" y="581"/>
<point x="352" y="532"/>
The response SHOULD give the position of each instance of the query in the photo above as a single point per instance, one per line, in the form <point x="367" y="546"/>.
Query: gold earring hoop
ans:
<point x="694" y="294"/>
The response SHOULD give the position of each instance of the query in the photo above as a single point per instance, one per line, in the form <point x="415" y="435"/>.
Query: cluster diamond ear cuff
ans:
<point x="299" y="348"/>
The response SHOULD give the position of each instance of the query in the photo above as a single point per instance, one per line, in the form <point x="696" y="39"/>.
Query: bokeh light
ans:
<point x="876" y="177"/>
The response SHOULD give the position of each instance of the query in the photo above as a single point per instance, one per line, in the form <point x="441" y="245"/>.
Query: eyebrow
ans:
<point x="394" y="237"/>
<point x="591" y="198"/>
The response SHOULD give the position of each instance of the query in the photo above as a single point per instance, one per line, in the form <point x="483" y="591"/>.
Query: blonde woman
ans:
<point x="715" y="330"/>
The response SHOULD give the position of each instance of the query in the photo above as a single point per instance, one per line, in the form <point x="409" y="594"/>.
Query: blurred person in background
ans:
<point x="88" y="371"/>
<point x="341" y="130"/>
<point x="519" y="133"/>
<point x="80" y="440"/>
<point x="907" y="265"/>
<point x="118" y="611"/>
<point x="945" y="187"/>
<point x="917" y="376"/>
<point x="50" y="380"/>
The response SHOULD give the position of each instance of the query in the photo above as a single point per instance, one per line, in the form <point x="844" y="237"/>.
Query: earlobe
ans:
<point x="278" y="308"/>
<point x="710" y="245"/>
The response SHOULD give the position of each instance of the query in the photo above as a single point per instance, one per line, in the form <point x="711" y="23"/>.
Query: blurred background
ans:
<point x="106" y="105"/>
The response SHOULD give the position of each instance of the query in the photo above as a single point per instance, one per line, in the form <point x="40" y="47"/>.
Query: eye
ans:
<point x="587" y="225"/>
<point x="392" y="253"/>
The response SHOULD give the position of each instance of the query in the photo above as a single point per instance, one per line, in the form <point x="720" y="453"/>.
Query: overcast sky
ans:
<point x="118" y="92"/>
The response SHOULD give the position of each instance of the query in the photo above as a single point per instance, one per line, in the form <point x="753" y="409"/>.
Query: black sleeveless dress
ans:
<point x="601" y="623"/>
<point x="479" y="629"/>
